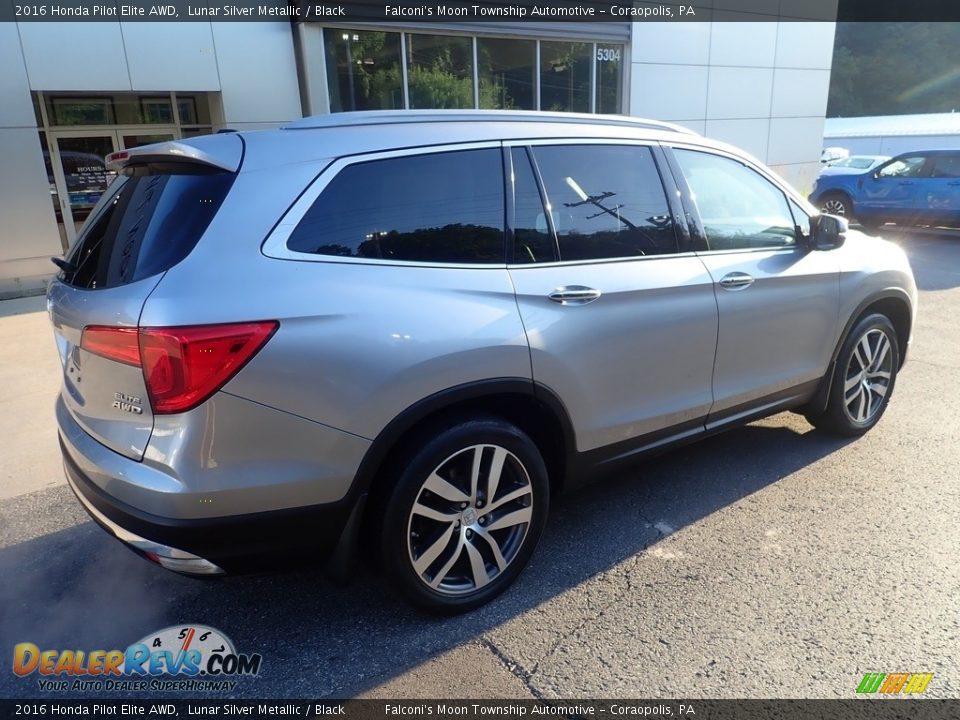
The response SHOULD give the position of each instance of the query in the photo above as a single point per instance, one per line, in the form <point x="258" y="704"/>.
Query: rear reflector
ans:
<point x="182" y="366"/>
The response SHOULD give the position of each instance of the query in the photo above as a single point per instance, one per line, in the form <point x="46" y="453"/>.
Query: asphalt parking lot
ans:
<point x="772" y="561"/>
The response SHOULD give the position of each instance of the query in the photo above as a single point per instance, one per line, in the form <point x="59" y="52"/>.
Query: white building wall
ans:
<point x="251" y="65"/>
<point x="28" y="229"/>
<point x="752" y="80"/>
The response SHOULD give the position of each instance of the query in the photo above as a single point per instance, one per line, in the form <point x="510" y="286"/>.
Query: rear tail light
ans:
<point x="119" y="344"/>
<point x="182" y="366"/>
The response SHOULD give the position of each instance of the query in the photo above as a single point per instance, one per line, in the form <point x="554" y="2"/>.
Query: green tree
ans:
<point x="894" y="69"/>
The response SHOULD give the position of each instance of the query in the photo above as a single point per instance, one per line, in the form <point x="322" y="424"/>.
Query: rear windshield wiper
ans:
<point x="68" y="267"/>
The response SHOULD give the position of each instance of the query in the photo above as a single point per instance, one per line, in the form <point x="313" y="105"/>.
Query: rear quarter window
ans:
<point x="438" y="207"/>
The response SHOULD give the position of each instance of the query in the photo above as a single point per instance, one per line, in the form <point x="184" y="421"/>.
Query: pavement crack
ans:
<point x="561" y="639"/>
<point x="517" y="669"/>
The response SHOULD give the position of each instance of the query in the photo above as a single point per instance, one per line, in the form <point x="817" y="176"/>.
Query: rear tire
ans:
<point x="835" y="203"/>
<point x="863" y="379"/>
<point x="464" y="516"/>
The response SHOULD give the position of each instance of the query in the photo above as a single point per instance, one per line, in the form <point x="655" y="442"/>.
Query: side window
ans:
<point x="945" y="166"/>
<point x="532" y="241"/>
<point x="903" y="167"/>
<point x="606" y="201"/>
<point x="439" y="207"/>
<point x="740" y="208"/>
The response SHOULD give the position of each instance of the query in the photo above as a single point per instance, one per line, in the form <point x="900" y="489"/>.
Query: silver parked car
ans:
<point x="413" y="328"/>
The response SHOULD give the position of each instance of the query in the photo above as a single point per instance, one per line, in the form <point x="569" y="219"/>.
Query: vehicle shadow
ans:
<point x="79" y="589"/>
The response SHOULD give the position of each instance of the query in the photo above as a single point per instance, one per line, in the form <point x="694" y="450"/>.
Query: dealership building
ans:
<point x="74" y="92"/>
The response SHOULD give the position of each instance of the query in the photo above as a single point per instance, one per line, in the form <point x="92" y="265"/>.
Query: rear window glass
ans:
<point x="438" y="207"/>
<point x="144" y="226"/>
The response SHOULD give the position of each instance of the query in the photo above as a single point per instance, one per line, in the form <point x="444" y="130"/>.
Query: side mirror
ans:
<point x="829" y="232"/>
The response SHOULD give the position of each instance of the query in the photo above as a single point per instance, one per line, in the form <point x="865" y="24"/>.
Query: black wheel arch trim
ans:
<point x="405" y="421"/>
<point x="819" y="401"/>
<point x="891" y="293"/>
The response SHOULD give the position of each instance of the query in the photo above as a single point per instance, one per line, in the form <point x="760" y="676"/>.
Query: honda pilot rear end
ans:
<point x="155" y="446"/>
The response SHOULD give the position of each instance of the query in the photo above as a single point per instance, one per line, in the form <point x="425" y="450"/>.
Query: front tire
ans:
<point x="465" y="516"/>
<point x="835" y="203"/>
<point x="863" y="380"/>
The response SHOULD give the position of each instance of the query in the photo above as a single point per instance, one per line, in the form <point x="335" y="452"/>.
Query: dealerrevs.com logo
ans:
<point x="178" y="658"/>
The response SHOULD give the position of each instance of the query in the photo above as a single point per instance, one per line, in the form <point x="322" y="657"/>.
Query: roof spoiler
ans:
<point x="209" y="154"/>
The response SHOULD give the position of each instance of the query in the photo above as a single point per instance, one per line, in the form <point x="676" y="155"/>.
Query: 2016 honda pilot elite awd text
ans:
<point x="416" y="327"/>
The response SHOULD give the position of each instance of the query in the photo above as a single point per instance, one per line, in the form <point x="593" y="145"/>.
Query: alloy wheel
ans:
<point x="868" y="375"/>
<point x="834" y="207"/>
<point x="470" y="519"/>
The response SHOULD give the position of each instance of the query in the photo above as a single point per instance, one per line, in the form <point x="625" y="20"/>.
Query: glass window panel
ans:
<point x="439" y="207"/>
<point x="54" y="195"/>
<point x="187" y="109"/>
<point x="532" y="241"/>
<point x="507" y="74"/>
<point x="84" y="171"/>
<point x="144" y="226"/>
<point x="946" y="166"/>
<point x="739" y="208"/>
<point x="904" y="167"/>
<point x="609" y="78"/>
<point x="606" y="201"/>
<point x="156" y="110"/>
<point x="363" y="70"/>
<point x="132" y="141"/>
<point x="565" y="76"/>
<point x="194" y="132"/>
<point x="194" y="109"/>
<point x="63" y="110"/>
<point x="440" y="71"/>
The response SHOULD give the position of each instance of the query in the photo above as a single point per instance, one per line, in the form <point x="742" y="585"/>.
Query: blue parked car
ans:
<point x="920" y="188"/>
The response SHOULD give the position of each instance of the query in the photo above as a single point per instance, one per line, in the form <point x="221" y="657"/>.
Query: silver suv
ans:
<point x="418" y="326"/>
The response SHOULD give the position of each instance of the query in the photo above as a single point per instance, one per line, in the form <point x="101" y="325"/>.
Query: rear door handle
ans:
<point x="906" y="182"/>
<point x="954" y="182"/>
<point x="736" y="281"/>
<point x="574" y="295"/>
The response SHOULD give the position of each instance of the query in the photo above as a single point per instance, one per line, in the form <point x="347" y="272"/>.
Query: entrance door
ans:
<point x="79" y="170"/>
<point x="80" y="174"/>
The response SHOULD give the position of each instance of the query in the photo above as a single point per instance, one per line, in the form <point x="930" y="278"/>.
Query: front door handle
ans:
<point x="954" y="182"/>
<point x="574" y="295"/>
<point x="736" y="281"/>
<point x="906" y="182"/>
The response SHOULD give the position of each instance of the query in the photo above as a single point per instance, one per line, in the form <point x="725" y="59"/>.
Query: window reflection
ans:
<point x="565" y="76"/>
<point x="609" y="78"/>
<point x="440" y="71"/>
<point x="506" y="72"/>
<point x="532" y="241"/>
<point x="439" y="207"/>
<point x="738" y="207"/>
<point x="606" y="201"/>
<point x="363" y="70"/>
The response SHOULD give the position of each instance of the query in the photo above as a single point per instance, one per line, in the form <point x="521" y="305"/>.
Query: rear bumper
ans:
<point x="228" y="544"/>
<point x="196" y="545"/>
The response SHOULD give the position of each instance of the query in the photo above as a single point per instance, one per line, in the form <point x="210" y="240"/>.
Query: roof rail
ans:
<point x="398" y="117"/>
